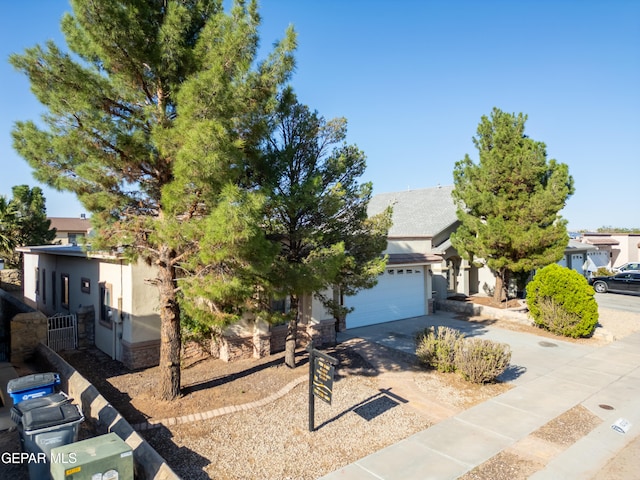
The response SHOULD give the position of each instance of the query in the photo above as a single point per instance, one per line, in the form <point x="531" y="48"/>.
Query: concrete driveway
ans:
<point x="619" y="301"/>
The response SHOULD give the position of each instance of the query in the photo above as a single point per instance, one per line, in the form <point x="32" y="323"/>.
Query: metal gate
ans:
<point x="63" y="332"/>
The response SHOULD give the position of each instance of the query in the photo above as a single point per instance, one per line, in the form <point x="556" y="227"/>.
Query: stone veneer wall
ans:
<point x="323" y="333"/>
<point x="27" y="331"/>
<point x="11" y="280"/>
<point x="230" y="348"/>
<point x="141" y="354"/>
<point x="279" y="337"/>
<point x="86" y="317"/>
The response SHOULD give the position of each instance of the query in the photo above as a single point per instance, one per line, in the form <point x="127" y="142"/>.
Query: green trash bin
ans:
<point x="107" y="457"/>
<point x="45" y="428"/>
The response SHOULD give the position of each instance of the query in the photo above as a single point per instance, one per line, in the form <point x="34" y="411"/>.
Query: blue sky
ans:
<point x="414" y="77"/>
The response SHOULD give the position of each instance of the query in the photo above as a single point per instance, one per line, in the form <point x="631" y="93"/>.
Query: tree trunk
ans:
<point x="292" y="335"/>
<point x="502" y="282"/>
<point x="170" y="338"/>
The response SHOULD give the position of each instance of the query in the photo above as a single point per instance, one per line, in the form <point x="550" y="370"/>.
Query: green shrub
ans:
<point x="603" y="272"/>
<point x="561" y="300"/>
<point x="437" y="347"/>
<point x="481" y="361"/>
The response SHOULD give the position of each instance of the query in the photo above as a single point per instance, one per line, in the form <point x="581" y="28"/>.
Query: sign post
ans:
<point x="321" y="371"/>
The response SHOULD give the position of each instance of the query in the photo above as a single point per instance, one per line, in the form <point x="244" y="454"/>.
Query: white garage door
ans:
<point x="398" y="294"/>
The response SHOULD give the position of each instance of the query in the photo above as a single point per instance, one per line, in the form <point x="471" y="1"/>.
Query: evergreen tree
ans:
<point x="508" y="203"/>
<point x="7" y="222"/>
<point x="316" y="211"/>
<point x="23" y="221"/>
<point x="149" y="122"/>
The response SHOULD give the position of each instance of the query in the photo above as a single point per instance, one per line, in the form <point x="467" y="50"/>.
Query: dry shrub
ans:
<point x="481" y="361"/>
<point x="437" y="347"/>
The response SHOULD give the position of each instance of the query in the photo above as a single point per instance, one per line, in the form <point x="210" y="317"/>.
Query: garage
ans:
<point x="399" y="294"/>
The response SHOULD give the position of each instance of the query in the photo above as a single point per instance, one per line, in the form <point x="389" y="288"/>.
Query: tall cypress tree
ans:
<point x="149" y="122"/>
<point x="508" y="203"/>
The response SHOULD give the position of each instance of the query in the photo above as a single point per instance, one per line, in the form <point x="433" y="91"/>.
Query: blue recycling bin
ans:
<point x="32" y="386"/>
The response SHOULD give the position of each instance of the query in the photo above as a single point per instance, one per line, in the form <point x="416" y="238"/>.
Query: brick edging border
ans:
<point x="196" y="417"/>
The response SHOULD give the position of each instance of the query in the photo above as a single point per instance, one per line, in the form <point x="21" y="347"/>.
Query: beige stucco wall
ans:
<point x="318" y="312"/>
<point x="133" y="302"/>
<point x="627" y="249"/>
<point x="408" y="245"/>
<point x="145" y="320"/>
<point x="50" y="302"/>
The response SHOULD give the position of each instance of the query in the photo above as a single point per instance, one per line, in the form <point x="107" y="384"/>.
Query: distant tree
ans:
<point x="23" y="221"/>
<point x="7" y="222"/>
<point x="508" y="203"/>
<point x="617" y="230"/>
<point x="316" y="211"/>
<point x="149" y="123"/>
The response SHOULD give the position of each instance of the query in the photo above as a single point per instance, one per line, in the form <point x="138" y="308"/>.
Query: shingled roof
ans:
<point x="417" y="213"/>
<point x="73" y="224"/>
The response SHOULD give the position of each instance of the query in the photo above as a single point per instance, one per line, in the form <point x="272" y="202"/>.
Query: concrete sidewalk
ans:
<point x="549" y="378"/>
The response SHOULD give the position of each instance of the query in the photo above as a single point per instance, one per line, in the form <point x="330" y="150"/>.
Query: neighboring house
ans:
<point x="63" y="278"/>
<point x="620" y="247"/>
<point x="584" y="258"/>
<point x="70" y="231"/>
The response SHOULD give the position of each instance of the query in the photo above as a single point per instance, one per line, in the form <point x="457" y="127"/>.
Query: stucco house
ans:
<point x="423" y="221"/>
<point x="422" y="267"/>
<point x="62" y="279"/>
<point x="620" y="248"/>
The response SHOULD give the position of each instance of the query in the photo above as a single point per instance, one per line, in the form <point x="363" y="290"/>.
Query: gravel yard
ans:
<point x="378" y="400"/>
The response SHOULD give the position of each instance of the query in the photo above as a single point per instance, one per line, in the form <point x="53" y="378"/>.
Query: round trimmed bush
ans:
<point x="562" y="301"/>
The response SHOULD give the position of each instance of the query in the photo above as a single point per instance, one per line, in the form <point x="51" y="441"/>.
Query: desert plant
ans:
<point x="603" y="272"/>
<point x="481" y="361"/>
<point x="560" y="300"/>
<point x="436" y="347"/>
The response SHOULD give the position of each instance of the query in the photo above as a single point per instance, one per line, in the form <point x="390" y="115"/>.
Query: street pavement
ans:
<point x="549" y="376"/>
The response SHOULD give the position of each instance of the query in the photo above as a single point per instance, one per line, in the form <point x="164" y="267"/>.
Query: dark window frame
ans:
<point x="65" y="294"/>
<point x="85" y="285"/>
<point x="44" y="286"/>
<point x="106" y="308"/>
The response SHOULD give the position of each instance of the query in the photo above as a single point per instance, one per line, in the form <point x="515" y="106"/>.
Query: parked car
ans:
<point x="625" y="267"/>
<point x="625" y="282"/>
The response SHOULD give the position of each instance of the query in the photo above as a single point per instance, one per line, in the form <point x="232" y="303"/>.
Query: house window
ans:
<point x="279" y="305"/>
<point x="400" y="271"/>
<point x="409" y="271"/>
<point x="37" y="281"/>
<point x="85" y="285"/>
<point x="73" y="238"/>
<point x="64" y="290"/>
<point x="105" y="305"/>
<point x="44" y="286"/>
<point x="53" y="288"/>
<point x="391" y="271"/>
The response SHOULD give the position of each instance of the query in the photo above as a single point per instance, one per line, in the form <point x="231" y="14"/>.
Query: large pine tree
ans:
<point x="508" y="203"/>
<point x="316" y="211"/>
<point x="149" y="121"/>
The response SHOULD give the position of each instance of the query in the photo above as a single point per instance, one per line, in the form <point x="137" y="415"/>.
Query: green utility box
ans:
<point x="106" y="457"/>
